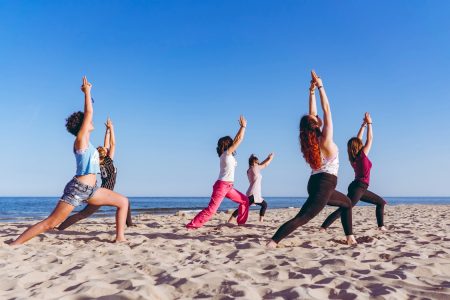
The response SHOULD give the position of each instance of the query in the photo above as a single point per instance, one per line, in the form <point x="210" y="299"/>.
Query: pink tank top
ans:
<point x="362" y="166"/>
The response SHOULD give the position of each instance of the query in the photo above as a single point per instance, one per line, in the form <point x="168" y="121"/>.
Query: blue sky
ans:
<point x="175" y="75"/>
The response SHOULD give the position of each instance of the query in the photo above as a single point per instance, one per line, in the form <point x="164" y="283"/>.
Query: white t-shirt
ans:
<point x="227" y="166"/>
<point x="254" y="178"/>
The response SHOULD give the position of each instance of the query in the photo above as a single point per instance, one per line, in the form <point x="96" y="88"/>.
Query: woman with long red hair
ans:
<point x="321" y="153"/>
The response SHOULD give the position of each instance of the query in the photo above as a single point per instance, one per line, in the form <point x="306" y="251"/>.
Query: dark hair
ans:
<point x="309" y="141"/>
<point x="354" y="147"/>
<point x="74" y="122"/>
<point x="223" y="144"/>
<point x="251" y="160"/>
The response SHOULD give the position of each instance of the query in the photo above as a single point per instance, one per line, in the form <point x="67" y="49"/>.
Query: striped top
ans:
<point x="108" y="172"/>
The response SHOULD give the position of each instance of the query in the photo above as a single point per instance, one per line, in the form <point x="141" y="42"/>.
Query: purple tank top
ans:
<point x="362" y="166"/>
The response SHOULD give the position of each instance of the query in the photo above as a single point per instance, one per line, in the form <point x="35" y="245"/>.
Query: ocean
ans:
<point x="13" y="209"/>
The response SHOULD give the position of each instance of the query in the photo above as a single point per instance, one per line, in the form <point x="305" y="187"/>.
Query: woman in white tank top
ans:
<point x="223" y="187"/>
<point x="321" y="153"/>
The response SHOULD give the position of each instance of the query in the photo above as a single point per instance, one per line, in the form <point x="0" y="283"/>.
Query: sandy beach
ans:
<point x="163" y="260"/>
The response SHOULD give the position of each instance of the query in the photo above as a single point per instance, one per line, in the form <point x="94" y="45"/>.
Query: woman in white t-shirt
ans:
<point x="223" y="187"/>
<point x="254" y="190"/>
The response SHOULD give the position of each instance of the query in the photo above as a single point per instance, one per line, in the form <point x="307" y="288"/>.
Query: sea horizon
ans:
<point x="20" y="208"/>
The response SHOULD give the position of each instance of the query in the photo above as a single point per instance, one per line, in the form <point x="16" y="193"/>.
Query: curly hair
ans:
<point x="251" y="160"/>
<point x="102" y="152"/>
<point x="354" y="146"/>
<point x="74" y="122"/>
<point x="309" y="141"/>
<point x="223" y="144"/>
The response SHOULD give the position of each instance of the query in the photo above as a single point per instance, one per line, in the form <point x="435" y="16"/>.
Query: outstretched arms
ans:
<point x="82" y="139"/>
<point x="110" y="138"/>
<point x="107" y="135"/>
<point x="267" y="161"/>
<point x="327" y="131"/>
<point x="312" y="99"/>
<point x="369" y="137"/>
<point x="361" y="130"/>
<point x="239" y="136"/>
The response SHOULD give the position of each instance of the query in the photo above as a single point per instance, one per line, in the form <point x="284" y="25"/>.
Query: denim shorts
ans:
<point x="76" y="192"/>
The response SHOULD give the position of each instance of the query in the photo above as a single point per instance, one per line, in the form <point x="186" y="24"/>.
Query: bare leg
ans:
<point x="59" y="214"/>
<point x="83" y="214"/>
<point x="105" y="197"/>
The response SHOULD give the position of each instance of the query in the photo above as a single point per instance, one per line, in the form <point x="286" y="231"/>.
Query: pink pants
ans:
<point x="222" y="189"/>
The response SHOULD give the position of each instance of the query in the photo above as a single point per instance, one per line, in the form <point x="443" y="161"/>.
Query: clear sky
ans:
<point x="175" y="75"/>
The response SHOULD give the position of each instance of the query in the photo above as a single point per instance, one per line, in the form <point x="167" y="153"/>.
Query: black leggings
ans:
<point x="357" y="190"/>
<point x="321" y="191"/>
<point x="262" y="211"/>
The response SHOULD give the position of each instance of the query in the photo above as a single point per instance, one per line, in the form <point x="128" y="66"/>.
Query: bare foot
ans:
<point x="382" y="228"/>
<point x="271" y="244"/>
<point x="322" y="229"/>
<point x="351" y="240"/>
<point x="120" y="240"/>
<point x="231" y="219"/>
<point x="261" y="219"/>
<point x="12" y="243"/>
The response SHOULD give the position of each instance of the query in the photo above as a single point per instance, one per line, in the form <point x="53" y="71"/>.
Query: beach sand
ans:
<point x="163" y="260"/>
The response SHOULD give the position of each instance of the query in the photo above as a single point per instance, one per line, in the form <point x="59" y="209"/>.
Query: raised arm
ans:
<point x="369" y="137"/>
<point x="267" y="161"/>
<point x="112" y="139"/>
<point x="239" y="136"/>
<point x="312" y="99"/>
<point x="361" y="130"/>
<point x="107" y="135"/>
<point x="327" y="130"/>
<point x="82" y="140"/>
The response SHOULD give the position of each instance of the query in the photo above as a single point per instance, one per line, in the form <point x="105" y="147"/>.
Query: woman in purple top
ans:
<point x="357" y="190"/>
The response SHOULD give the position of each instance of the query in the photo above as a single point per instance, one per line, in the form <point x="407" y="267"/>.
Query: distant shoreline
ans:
<point x="160" y="211"/>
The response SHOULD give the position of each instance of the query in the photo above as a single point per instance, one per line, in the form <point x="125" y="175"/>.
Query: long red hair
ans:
<point x="309" y="141"/>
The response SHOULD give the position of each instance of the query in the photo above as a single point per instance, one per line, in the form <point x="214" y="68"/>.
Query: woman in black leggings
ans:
<point x="321" y="153"/>
<point x="357" y="190"/>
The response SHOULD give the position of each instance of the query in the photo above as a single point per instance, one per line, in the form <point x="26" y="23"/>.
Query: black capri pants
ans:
<point x="321" y="191"/>
<point x="251" y="199"/>
<point x="357" y="190"/>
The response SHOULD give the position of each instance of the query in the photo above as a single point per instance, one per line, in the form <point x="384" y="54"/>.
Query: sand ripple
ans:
<point x="220" y="261"/>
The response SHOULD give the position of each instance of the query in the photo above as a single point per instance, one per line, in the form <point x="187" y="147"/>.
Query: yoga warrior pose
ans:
<point x="321" y="153"/>
<point x="108" y="173"/>
<point x="357" y="190"/>
<point x="223" y="187"/>
<point x="254" y="190"/>
<point x="83" y="186"/>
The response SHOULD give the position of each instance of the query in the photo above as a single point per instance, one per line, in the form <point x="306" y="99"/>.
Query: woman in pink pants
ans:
<point x="223" y="187"/>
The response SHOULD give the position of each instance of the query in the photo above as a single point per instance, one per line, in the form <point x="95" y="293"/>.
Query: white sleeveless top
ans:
<point x="255" y="178"/>
<point x="329" y="165"/>
<point x="227" y="166"/>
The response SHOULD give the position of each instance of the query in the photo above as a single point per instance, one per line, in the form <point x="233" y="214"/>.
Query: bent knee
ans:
<point x="123" y="202"/>
<point x="347" y="204"/>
